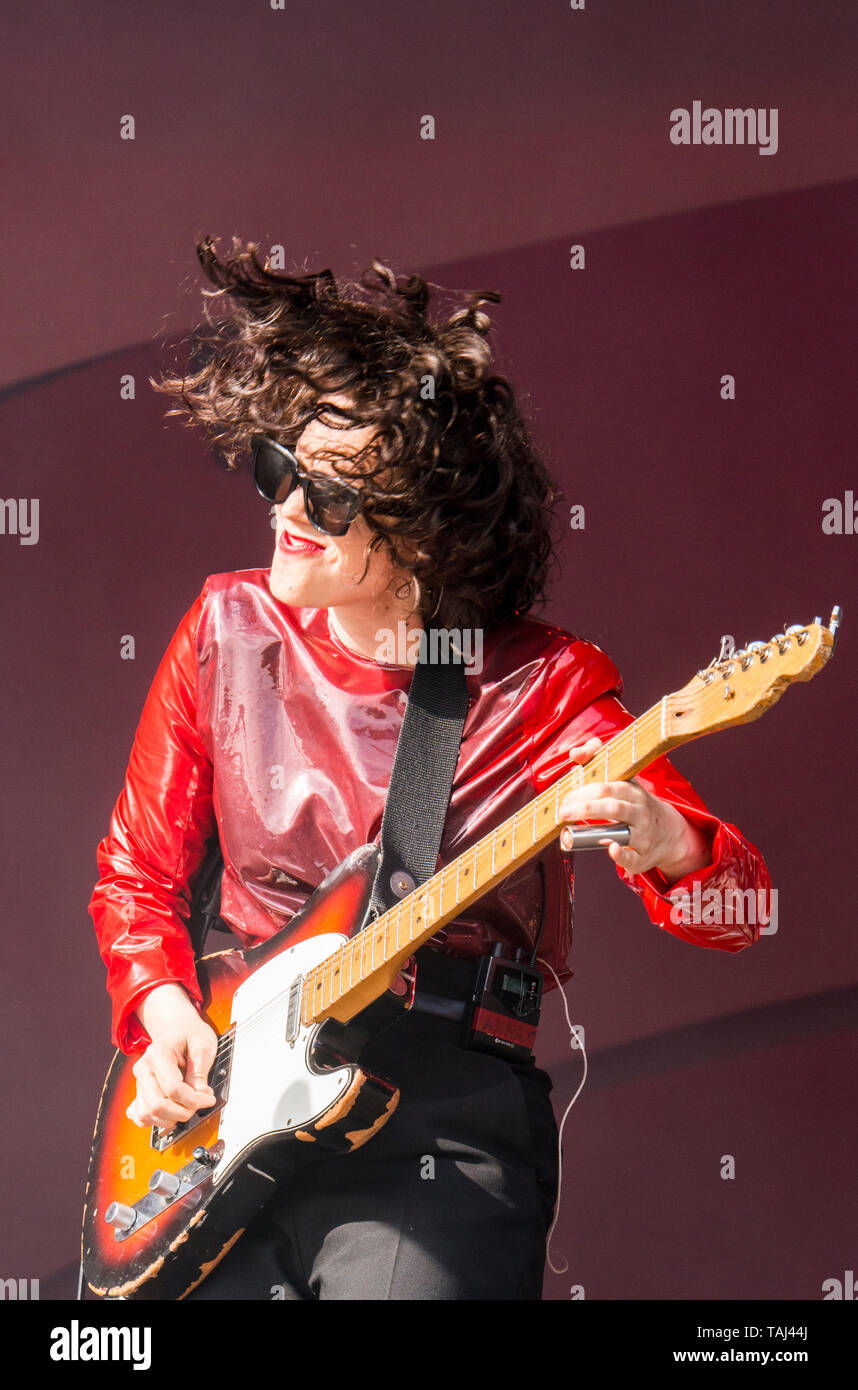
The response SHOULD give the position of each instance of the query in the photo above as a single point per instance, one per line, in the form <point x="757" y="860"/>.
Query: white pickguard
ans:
<point x="270" y="1086"/>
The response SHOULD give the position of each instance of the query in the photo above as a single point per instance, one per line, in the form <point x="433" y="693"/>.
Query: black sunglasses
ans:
<point x="331" y="506"/>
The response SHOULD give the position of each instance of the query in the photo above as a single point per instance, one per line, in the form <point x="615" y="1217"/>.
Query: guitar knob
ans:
<point x="120" y="1216"/>
<point x="164" y="1183"/>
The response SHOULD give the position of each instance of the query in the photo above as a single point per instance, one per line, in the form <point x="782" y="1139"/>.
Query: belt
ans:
<point x="445" y="984"/>
<point x="445" y="989"/>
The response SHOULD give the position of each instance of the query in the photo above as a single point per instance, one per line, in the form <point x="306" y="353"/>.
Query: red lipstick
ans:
<point x="297" y="545"/>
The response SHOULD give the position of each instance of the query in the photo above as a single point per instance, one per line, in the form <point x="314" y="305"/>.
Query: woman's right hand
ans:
<point x="172" y="1074"/>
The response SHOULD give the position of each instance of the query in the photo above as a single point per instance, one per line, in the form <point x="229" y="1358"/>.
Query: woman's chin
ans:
<point x="286" y="588"/>
<point x="300" y="590"/>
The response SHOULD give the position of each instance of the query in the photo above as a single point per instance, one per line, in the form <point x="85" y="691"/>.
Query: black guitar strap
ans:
<point x="417" y="798"/>
<point x="422" y="779"/>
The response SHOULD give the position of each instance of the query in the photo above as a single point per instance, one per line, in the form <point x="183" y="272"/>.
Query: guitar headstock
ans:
<point x="741" y="683"/>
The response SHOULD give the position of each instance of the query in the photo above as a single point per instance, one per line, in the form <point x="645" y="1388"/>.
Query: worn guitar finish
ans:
<point x="315" y="1096"/>
<point x="294" y="1014"/>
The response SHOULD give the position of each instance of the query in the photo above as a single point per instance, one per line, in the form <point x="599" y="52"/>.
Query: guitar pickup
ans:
<point x="293" y="1009"/>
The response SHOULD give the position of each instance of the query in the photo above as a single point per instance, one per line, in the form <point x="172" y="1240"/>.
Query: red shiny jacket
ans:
<point x="262" y="725"/>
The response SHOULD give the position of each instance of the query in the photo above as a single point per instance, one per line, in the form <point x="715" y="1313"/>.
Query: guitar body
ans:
<point x="286" y="1091"/>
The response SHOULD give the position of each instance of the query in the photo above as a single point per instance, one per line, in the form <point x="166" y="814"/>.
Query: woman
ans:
<point x="406" y="494"/>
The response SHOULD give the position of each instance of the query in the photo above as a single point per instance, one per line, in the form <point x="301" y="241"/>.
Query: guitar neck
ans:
<point x="365" y="966"/>
<point x="737" y="686"/>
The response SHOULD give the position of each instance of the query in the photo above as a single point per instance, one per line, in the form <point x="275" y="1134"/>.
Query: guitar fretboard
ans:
<point x="376" y="954"/>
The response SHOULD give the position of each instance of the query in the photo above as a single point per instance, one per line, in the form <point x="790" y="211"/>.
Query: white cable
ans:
<point x="577" y="1044"/>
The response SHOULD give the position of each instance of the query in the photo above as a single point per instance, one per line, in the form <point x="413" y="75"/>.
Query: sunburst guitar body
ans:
<point x="164" y="1206"/>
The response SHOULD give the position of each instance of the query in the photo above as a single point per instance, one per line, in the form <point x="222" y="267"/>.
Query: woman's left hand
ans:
<point x="661" y="837"/>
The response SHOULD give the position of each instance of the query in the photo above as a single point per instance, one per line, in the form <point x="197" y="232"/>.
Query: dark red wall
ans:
<point x="703" y="517"/>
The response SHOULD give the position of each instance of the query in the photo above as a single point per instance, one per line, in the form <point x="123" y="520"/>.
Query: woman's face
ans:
<point x="314" y="570"/>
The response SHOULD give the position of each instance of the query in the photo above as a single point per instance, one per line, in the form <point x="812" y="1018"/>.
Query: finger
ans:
<point x="201" y="1055"/>
<point x="200" y="1086"/>
<point x="134" y="1115"/>
<point x="625" y="856"/>
<point x="157" y="1107"/>
<point x="580" y="752"/>
<point x="171" y="1085"/>
<point x="574" y="808"/>
<point x="168" y="1066"/>
<point x="632" y="860"/>
<point x="624" y="791"/>
<point x="147" y="1109"/>
<point x="606" y="808"/>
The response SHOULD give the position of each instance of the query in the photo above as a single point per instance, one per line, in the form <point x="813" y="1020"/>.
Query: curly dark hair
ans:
<point x="451" y="482"/>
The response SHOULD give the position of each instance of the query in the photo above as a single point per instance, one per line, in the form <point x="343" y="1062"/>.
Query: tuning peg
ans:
<point x="834" y="621"/>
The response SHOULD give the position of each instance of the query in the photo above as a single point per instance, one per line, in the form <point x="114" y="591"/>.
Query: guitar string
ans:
<point x="260" y="1017"/>
<point x="347" y="950"/>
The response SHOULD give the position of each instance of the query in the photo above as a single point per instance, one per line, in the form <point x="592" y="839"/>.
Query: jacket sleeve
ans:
<point x="155" y="845"/>
<point x="580" y="701"/>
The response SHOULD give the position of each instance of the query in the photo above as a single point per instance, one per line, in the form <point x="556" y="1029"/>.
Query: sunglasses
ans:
<point x="331" y="506"/>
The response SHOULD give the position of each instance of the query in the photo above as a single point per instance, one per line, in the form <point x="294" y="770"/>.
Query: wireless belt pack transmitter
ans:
<point x="505" y="1010"/>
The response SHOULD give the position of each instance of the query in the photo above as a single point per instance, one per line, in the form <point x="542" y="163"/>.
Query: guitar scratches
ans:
<point x="206" y="1269"/>
<point x="357" y="1137"/>
<point x="342" y="1105"/>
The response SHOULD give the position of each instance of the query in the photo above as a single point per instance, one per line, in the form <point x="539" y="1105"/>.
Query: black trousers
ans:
<point x="451" y="1199"/>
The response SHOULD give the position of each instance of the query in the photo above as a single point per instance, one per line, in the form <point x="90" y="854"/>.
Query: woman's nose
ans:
<point x="292" y="507"/>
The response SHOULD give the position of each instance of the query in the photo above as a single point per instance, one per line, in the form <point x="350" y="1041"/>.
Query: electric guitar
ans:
<point x="294" y="1013"/>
